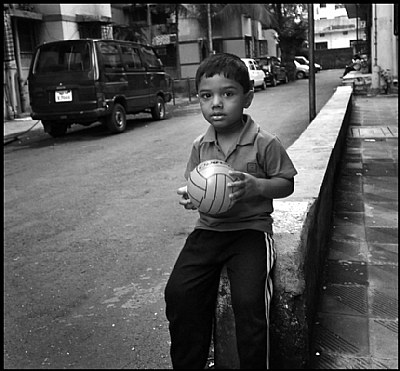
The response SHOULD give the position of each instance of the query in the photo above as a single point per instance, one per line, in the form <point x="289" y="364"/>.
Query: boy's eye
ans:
<point x="229" y="93"/>
<point x="205" y="95"/>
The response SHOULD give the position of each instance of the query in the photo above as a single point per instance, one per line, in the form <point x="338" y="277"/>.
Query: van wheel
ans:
<point x="116" y="122"/>
<point x="56" y="130"/>
<point x="158" y="111"/>
<point x="300" y="75"/>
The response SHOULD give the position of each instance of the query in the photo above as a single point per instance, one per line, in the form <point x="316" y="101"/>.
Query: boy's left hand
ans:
<point x="244" y="186"/>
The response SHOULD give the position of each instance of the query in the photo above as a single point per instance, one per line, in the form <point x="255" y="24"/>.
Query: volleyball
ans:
<point x="207" y="187"/>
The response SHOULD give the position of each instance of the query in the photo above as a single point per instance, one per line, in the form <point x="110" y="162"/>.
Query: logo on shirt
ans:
<point x="251" y="167"/>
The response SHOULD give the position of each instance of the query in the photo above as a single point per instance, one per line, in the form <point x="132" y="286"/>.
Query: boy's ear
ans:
<point x="248" y="98"/>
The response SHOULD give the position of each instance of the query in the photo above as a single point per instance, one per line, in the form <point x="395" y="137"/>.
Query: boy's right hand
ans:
<point x="185" y="201"/>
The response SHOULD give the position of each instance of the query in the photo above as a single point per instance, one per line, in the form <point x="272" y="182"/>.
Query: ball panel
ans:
<point x="207" y="187"/>
<point x="198" y="178"/>
<point x="195" y="187"/>
<point x="222" y="194"/>
<point x="213" y="186"/>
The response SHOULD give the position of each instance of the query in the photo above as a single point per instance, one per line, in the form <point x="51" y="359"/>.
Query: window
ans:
<point x="345" y="32"/>
<point x="150" y="57"/>
<point x="130" y="58"/>
<point x="72" y="56"/>
<point x="248" y="45"/>
<point x="111" y="57"/>
<point x="322" y="5"/>
<point x="263" y="47"/>
<point x="90" y="30"/>
<point x="218" y="46"/>
<point x="167" y="54"/>
<point x="321" y="45"/>
<point x="321" y="35"/>
<point x="26" y="35"/>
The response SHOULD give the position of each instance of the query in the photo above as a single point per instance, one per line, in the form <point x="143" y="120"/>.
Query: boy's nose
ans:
<point x="217" y="101"/>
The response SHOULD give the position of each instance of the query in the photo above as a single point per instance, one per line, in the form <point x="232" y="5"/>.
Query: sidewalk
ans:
<point x="13" y="129"/>
<point x="357" y="319"/>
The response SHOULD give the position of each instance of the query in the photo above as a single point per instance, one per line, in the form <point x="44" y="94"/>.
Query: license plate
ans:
<point x="63" y="96"/>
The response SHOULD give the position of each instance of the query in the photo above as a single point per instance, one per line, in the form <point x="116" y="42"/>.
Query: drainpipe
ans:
<point x="22" y="87"/>
<point x="375" y="83"/>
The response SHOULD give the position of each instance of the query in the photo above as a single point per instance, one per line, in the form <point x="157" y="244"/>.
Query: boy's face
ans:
<point x="222" y="102"/>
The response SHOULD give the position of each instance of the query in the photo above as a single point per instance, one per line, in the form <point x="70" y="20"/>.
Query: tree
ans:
<point x="292" y="31"/>
<point x="258" y="12"/>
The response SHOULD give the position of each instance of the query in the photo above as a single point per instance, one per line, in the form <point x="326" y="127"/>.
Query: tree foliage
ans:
<point x="258" y="12"/>
<point x="292" y="31"/>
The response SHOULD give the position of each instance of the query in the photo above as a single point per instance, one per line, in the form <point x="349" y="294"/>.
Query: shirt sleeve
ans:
<point x="276" y="162"/>
<point x="194" y="158"/>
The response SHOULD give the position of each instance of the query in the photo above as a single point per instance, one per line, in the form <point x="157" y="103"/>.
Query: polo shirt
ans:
<point x="258" y="153"/>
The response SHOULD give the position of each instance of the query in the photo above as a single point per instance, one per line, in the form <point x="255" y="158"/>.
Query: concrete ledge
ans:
<point x="302" y="223"/>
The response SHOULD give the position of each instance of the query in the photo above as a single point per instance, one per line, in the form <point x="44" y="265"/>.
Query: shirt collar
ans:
<point x="247" y="136"/>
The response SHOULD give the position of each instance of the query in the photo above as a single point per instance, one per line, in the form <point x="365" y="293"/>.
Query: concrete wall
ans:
<point x="302" y="223"/>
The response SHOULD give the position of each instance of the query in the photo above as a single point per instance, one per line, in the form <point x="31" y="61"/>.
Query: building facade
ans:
<point x="334" y="29"/>
<point x="242" y="36"/>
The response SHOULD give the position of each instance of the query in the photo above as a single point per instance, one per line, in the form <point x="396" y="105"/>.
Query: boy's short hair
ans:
<point x="229" y="65"/>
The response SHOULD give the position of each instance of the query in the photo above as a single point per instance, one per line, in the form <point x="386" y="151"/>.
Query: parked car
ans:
<point x="257" y="75"/>
<point x="89" y="80"/>
<point x="302" y="70"/>
<point x="304" y="60"/>
<point x="274" y="71"/>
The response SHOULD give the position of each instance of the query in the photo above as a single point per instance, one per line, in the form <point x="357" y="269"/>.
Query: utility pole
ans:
<point x="149" y="25"/>
<point x="210" y="43"/>
<point x="311" y="79"/>
<point x="178" y="58"/>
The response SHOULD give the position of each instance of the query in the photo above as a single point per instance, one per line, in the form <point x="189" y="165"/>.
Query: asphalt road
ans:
<point x="92" y="228"/>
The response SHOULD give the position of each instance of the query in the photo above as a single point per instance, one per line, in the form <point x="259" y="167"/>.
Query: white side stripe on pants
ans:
<point x="271" y="256"/>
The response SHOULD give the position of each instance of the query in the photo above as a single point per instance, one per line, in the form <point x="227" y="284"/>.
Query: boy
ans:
<point x="241" y="238"/>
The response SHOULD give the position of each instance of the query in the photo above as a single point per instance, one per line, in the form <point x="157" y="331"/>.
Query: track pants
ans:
<point x="192" y="289"/>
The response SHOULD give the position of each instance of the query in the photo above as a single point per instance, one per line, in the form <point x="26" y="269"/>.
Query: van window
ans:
<point x="130" y="58"/>
<point x="63" y="57"/>
<point x="111" y="57"/>
<point x="150" y="57"/>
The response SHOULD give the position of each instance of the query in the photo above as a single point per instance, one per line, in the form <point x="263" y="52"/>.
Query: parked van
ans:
<point x="88" y="80"/>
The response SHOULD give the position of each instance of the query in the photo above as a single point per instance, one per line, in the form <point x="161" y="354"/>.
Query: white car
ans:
<point x="304" y="60"/>
<point x="302" y="70"/>
<point x="257" y="75"/>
